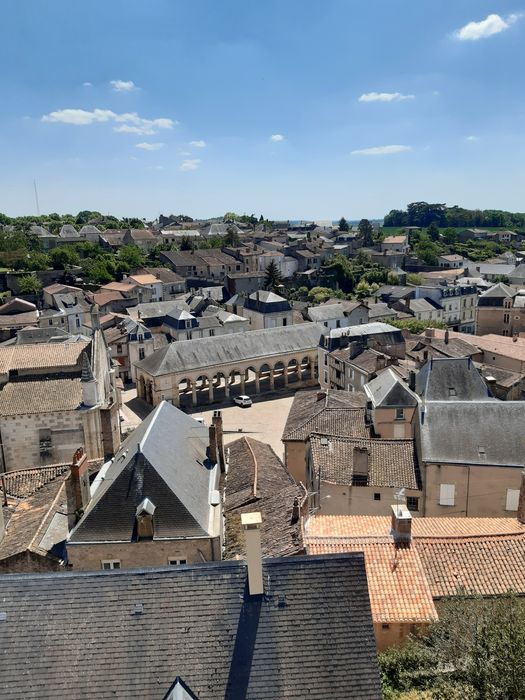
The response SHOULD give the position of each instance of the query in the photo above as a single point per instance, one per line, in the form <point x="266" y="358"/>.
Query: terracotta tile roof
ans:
<point x="308" y="406"/>
<point x="41" y="355"/>
<point x="483" y="556"/>
<point x="391" y="463"/>
<point x="145" y="279"/>
<point x="500" y="344"/>
<point x="258" y="480"/>
<point x="40" y="396"/>
<point x="24" y="482"/>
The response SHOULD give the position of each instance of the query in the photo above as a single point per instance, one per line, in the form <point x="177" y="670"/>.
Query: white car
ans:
<point x="243" y="401"/>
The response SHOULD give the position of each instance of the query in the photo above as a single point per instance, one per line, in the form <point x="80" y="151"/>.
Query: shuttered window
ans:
<point x="447" y="494"/>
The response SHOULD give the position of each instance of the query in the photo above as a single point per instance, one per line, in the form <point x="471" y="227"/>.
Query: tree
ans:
<point x="433" y="232"/>
<point x="186" y="243"/>
<point x="232" y="237"/>
<point x="64" y="257"/>
<point x="131" y="255"/>
<point x="29" y="284"/>
<point x="273" y="277"/>
<point x="415" y="279"/>
<point x="366" y="229"/>
<point x="343" y="224"/>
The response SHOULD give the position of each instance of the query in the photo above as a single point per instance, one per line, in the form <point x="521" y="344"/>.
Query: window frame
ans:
<point x="173" y="561"/>
<point x="112" y="564"/>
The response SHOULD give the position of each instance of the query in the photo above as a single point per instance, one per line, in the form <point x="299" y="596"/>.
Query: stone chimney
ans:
<point x="219" y="439"/>
<point x="212" y="448"/>
<point x="521" y="502"/>
<point x="77" y="488"/>
<point x="95" y="318"/>
<point x="412" y="380"/>
<point x="296" y="511"/>
<point x="251" y="524"/>
<point x="401" y="523"/>
<point x="89" y="384"/>
<point x="144" y="518"/>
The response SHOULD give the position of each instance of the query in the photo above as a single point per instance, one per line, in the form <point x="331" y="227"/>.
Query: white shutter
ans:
<point x="447" y="494"/>
<point x="513" y="497"/>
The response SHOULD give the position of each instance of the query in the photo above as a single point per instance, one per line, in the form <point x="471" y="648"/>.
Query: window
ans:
<point x="119" y="348"/>
<point x="50" y="321"/>
<point x="413" y="503"/>
<point x="400" y="414"/>
<point x="325" y="359"/>
<point x="447" y="494"/>
<point x="141" y="353"/>
<point x="506" y="318"/>
<point x="513" y="497"/>
<point x="176" y="562"/>
<point x="141" y="338"/>
<point x="110" y="564"/>
<point x="326" y="377"/>
<point x="385" y="626"/>
<point x="377" y="496"/>
<point x="212" y="331"/>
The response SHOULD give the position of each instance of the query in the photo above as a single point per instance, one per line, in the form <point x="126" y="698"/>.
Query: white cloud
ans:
<point x="129" y="123"/>
<point x="123" y="85"/>
<point x="190" y="164"/>
<point x="471" y="138"/>
<point x="198" y="144"/>
<point x="149" y="146"/>
<point x="385" y="97"/>
<point x="87" y="84"/>
<point x="276" y="138"/>
<point x="492" y="24"/>
<point x="381" y="150"/>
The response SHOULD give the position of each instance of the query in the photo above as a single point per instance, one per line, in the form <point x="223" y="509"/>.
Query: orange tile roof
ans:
<point x="483" y="556"/>
<point x="145" y="279"/>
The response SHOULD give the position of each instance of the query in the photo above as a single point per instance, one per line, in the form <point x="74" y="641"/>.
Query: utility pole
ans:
<point x="36" y="198"/>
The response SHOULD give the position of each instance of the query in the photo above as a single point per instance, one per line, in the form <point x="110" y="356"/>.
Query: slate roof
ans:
<point x="326" y="312"/>
<point x="483" y="556"/>
<point x="387" y="390"/>
<point x="308" y="408"/>
<point x="310" y="635"/>
<point x="473" y="432"/>
<point x="164" y="459"/>
<point x="391" y="463"/>
<point x="451" y="379"/>
<point x="40" y="396"/>
<point x="258" y="480"/>
<point x="188" y="355"/>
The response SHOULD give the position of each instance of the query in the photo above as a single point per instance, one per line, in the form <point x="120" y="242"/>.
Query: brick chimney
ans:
<point x="401" y="523"/>
<point x="251" y="524"/>
<point x="212" y="447"/>
<point x="77" y="487"/>
<point x="521" y="502"/>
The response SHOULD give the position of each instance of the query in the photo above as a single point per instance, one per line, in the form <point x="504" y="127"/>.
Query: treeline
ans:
<point x="54" y="222"/>
<point x="424" y="214"/>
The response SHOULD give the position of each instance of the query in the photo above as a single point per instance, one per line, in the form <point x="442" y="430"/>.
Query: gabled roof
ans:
<point x="499" y="291"/>
<point x="40" y="396"/>
<point x="451" y="379"/>
<point x="195" y="622"/>
<point x="330" y="412"/>
<point x="41" y="355"/>
<point x="164" y="460"/>
<point x="388" y="391"/>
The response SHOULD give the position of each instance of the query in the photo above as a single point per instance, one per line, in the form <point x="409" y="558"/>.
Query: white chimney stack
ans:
<point x="251" y="524"/>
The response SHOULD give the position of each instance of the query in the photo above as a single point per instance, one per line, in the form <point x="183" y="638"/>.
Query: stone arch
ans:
<point x="266" y="377"/>
<point x="306" y="368"/>
<point x="185" y="392"/>
<point x="236" y="382"/>
<point x="280" y="372"/>
<point x="293" y="369"/>
<point x="251" y="378"/>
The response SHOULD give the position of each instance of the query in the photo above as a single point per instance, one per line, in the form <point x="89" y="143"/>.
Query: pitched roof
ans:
<point x="164" y="274"/>
<point x="387" y="390"/>
<point x="164" y="459"/>
<point x="147" y="627"/>
<point x="499" y="290"/>
<point x="258" y="480"/>
<point x="451" y="379"/>
<point x="483" y="556"/>
<point x="187" y="355"/>
<point x="391" y="463"/>
<point x="145" y="278"/>
<point x="344" y="414"/>
<point x="395" y="239"/>
<point x="41" y="355"/>
<point x="40" y="396"/>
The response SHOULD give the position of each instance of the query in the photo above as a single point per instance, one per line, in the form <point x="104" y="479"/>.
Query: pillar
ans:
<point x="285" y="374"/>
<point x="194" y="393"/>
<point x="210" y="391"/>
<point x="272" y="379"/>
<point x="226" y="387"/>
<point x="243" y="389"/>
<point x="257" y="382"/>
<point x="175" y="393"/>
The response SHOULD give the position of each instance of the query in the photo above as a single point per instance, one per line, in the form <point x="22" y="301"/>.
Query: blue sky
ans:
<point x="289" y="108"/>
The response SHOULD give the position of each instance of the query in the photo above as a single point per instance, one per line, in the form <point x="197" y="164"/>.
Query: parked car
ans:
<point x="243" y="401"/>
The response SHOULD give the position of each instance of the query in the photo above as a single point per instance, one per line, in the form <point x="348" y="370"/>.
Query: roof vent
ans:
<point x="139" y="609"/>
<point x="324" y="441"/>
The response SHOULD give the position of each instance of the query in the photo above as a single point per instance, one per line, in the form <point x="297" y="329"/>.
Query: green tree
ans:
<point x="186" y="243"/>
<point x="232" y="237"/>
<point x="433" y="232"/>
<point x="415" y="279"/>
<point x="343" y="224"/>
<point x="273" y="277"/>
<point x="131" y="255"/>
<point x="64" y="257"/>
<point x="29" y="284"/>
<point x="317" y="295"/>
<point x="415" y="326"/>
<point x="366" y="230"/>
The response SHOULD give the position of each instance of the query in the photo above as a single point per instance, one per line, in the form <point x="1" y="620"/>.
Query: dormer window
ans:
<point x="144" y="517"/>
<point x="451" y="391"/>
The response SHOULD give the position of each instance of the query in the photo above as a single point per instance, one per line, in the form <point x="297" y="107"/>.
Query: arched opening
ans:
<point x="185" y="393"/>
<point x="220" y="387"/>
<point x="265" y="381"/>
<point x="280" y="375"/>
<point x="235" y="382"/>
<point x="306" y="369"/>
<point x="293" y="371"/>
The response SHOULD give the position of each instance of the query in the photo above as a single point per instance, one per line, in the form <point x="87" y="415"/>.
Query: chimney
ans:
<point x="212" y="448"/>
<point x="95" y="318"/>
<point x="77" y="487"/>
<point x="296" y="511"/>
<point x="219" y="440"/>
<point x="144" y="517"/>
<point x="251" y="524"/>
<point x="412" y="380"/>
<point x="521" y="502"/>
<point x="88" y="384"/>
<point x="321" y="395"/>
<point x="446" y="337"/>
<point x="401" y="523"/>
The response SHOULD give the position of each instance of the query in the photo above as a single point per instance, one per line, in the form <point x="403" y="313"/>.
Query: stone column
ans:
<point x="210" y="391"/>
<point x="272" y="379"/>
<point x="243" y="389"/>
<point x="257" y="382"/>
<point x="194" y="393"/>
<point x="285" y="374"/>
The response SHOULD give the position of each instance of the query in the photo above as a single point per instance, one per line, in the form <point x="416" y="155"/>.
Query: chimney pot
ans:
<point x="412" y="380"/>
<point x="251" y="524"/>
<point x="296" y="511"/>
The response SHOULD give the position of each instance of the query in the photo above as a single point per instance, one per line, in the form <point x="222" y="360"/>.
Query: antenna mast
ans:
<point x="36" y="198"/>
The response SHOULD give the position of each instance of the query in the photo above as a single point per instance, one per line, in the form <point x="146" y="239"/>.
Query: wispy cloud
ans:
<point x="128" y="123"/>
<point x="276" y="138"/>
<point x="198" y="144"/>
<point x="492" y="24"/>
<point x="385" y="97"/>
<point x="190" y="164"/>
<point x="145" y="146"/>
<point x="87" y="84"/>
<point x="123" y="85"/>
<point x="381" y="150"/>
<point x="471" y="138"/>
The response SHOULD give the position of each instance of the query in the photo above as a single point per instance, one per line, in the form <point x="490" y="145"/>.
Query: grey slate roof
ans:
<point x="473" y="432"/>
<point x="164" y="460"/>
<point x="451" y="379"/>
<point x="326" y="312"/>
<point x="498" y="291"/>
<point x="188" y="355"/>
<point x="80" y="635"/>
<point x="387" y="390"/>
